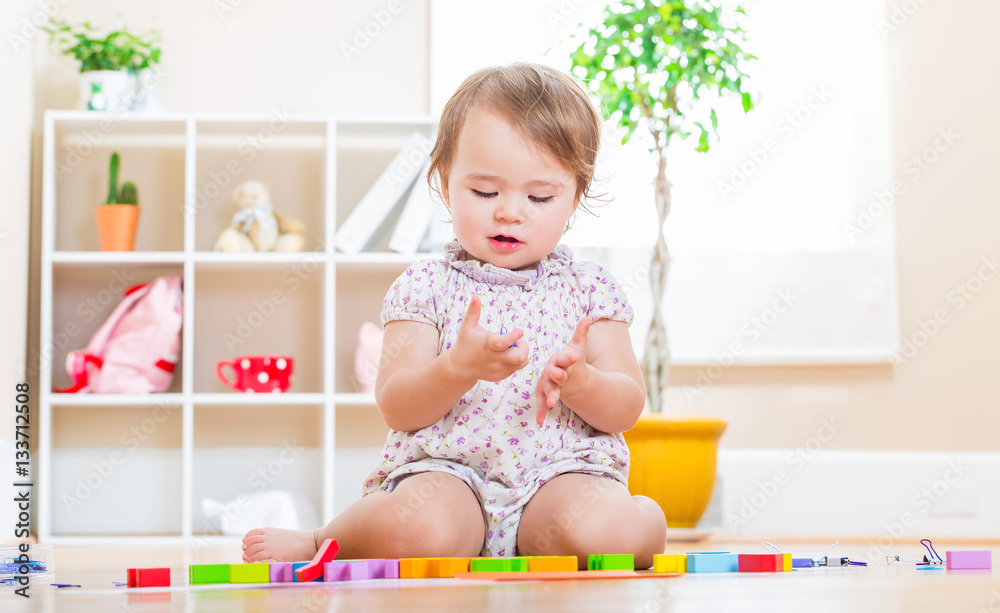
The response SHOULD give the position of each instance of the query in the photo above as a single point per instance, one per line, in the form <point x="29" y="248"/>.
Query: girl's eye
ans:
<point x="540" y="199"/>
<point x="483" y="194"/>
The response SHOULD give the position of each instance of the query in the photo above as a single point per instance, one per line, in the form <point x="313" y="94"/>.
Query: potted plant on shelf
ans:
<point x="657" y="63"/>
<point x="118" y="217"/>
<point x="109" y="64"/>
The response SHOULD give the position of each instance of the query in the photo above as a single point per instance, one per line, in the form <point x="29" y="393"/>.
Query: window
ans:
<point x="782" y="235"/>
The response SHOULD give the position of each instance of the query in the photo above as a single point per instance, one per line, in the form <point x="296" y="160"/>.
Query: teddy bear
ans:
<point x="257" y="227"/>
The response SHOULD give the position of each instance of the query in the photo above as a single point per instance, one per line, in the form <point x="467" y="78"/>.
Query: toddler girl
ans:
<point x="513" y="374"/>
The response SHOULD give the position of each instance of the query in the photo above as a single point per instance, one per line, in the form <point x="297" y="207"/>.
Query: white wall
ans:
<point x="258" y="59"/>
<point x="17" y="109"/>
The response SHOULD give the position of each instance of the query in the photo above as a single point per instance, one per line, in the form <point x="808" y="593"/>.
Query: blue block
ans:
<point x="298" y="565"/>
<point x="802" y="563"/>
<point x="713" y="562"/>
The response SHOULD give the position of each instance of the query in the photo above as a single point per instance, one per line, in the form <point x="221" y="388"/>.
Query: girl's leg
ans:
<point x="579" y="514"/>
<point x="431" y="514"/>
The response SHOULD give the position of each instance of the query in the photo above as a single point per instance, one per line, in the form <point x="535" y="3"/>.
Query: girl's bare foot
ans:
<point x="279" y="545"/>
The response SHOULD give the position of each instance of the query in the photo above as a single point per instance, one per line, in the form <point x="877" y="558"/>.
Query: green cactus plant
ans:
<point x="129" y="194"/>
<point x="113" y="180"/>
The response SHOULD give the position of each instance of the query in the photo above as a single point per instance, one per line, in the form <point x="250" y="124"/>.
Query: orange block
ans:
<point x="417" y="568"/>
<point x="447" y="567"/>
<point x="551" y="564"/>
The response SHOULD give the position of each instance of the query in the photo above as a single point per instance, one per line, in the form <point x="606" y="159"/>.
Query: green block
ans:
<point x="208" y="573"/>
<point x="250" y="573"/>
<point x="490" y="565"/>
<point x="519" y="565"/>
<point x="617" y="561"/>
<point x="594" y="561"/>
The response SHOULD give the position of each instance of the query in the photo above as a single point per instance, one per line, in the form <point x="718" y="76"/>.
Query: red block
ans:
<point x="761" y="562"/>
<point x="327" y="552"/>
<point x="148" y="577"/>
<point x="749" y="562"/>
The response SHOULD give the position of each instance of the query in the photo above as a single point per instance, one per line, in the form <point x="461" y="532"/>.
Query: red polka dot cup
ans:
<point x="267" y="374"/>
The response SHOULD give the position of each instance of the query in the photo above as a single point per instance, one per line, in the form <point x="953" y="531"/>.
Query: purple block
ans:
<point x="335" y="571"/>
<point x="376" y="569"/>
<point x="282" y="573"/>
<point x="391" y="569"/>
<point x="968" y="560"/>
<point x="358" y="570"/>
<point x="346" y="570"/>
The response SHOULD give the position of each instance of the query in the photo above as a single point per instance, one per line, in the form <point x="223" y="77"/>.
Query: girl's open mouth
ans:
<point x="504" y="243"/>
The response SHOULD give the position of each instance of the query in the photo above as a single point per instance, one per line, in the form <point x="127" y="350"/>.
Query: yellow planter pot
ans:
<point x="673" y="462"/>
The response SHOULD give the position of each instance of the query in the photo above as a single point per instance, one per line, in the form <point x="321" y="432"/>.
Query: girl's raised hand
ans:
<point x="484" y="355"/>
<point x="566" y="366"/>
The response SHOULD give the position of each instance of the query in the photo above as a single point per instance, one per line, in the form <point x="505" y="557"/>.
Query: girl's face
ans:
<point x="509" y="200"/>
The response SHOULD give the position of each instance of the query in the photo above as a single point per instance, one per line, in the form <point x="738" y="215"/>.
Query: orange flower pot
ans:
<point x="673" y="462"/>
<point x="116" y="224"/>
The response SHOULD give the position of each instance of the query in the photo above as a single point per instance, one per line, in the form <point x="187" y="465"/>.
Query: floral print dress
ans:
<point x="490" y="439"/>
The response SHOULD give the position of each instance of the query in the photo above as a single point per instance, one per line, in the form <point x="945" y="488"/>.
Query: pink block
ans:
<point x="281" y="572"/>
<point x="335" y="571"/>
<point x="346" y="570"/>
<point x="968" y="560"/>
<point x="391" y="569"/>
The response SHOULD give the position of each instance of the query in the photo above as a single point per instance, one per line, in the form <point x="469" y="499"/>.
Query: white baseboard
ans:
<point x="882" y="497"/>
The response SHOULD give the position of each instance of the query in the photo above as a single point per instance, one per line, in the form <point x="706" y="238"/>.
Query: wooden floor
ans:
<point x="881" y="588"/>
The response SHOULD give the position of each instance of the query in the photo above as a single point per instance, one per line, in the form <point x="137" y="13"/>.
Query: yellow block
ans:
<point x="416" y="568"/>
<point x="550" y="564"/>
<point x="670" y="563"/>
<point x="787" y="557"/>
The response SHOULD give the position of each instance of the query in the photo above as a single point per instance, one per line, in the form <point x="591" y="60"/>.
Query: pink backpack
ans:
<point x="135" y="350"/>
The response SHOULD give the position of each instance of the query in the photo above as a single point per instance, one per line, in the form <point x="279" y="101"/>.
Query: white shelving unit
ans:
<point x="114" y="466"/>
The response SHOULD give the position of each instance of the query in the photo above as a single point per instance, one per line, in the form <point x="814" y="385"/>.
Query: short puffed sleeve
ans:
<point x="606" y="297"/>
<point x="412" y="295"/>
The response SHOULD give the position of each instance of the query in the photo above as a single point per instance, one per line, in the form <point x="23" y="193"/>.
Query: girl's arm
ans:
<point x="416" y="386"/>
<point x="598" y="376"/>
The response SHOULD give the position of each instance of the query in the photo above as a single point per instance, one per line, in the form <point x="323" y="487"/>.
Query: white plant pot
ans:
<point x="106" y="90"/>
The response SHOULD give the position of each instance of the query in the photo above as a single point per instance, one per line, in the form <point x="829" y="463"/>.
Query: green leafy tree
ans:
<point x="658" y="63"/>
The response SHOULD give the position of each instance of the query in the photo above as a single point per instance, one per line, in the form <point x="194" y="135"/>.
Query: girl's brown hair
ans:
<point x="547" y="106"/>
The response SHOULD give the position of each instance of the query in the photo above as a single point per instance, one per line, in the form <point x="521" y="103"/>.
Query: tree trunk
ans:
<point x="656" y="360"/>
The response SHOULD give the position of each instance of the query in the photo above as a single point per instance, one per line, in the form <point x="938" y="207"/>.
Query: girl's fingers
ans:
<point x="502" y="342"/>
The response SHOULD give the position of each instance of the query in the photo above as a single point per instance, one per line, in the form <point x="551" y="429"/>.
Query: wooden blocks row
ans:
<point x="722" y="562"/>
<point x="148" y="577"/>
<point x="353" y="570"/>
<point x="611" y="561"/>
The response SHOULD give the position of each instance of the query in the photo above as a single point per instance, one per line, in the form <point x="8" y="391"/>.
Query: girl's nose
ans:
<point x="509" y="210"/>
